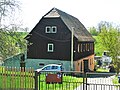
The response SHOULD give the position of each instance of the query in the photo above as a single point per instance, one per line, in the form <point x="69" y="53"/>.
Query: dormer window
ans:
<point x="54" y="29"/>
<point x="50" y="29"/>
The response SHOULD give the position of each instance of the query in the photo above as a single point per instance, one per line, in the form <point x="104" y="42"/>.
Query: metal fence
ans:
<point x="58" y="80"/>
<point x="102" y="81"/>
<point x="75" y="81"/>
<point x="16" y="78"/>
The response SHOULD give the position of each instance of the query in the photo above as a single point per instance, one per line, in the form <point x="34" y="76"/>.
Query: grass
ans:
<point x="69" y="83"/>
<point x="102" y="70"/>
<point x="115" y="80"/>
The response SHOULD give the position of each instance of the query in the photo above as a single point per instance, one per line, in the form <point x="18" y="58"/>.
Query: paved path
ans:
<point x="99" y="84"/>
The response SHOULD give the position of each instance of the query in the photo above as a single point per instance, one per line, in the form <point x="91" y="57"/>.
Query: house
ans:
<point x="50" y="42"/>
<point x="106" y="59"/>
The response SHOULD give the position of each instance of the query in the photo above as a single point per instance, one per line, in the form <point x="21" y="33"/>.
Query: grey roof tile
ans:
<point x="80" y="32"/>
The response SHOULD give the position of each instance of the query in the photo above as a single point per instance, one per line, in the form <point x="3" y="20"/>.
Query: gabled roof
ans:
<point x="80" y="32"/>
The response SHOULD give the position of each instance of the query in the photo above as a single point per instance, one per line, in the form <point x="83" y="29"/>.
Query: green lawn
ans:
<point x="102" y="70"/>
<point x="115" y="80"/>
<point x="69" y="83"/>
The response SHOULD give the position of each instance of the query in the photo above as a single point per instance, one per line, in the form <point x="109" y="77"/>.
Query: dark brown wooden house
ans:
<point x="50" y="41"/>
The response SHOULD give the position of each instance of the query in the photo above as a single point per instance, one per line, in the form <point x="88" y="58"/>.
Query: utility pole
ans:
<point x="72" y="48"/>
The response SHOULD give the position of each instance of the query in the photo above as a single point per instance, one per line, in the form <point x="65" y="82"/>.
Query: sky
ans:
<point x="89" y="12"/>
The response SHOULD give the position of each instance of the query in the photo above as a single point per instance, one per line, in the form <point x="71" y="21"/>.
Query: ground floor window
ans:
<point x="50" y="47"/>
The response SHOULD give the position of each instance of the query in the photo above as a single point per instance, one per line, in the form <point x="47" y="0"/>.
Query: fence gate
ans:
<point x="101" y="81"/>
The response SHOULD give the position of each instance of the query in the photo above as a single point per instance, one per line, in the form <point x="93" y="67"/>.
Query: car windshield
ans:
<point x="46" y="68"/>
<point x="52" y="67"/>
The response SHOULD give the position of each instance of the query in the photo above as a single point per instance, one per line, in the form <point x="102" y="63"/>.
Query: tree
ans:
<point x="11" y="41"/>
<point x="93" y="31"/>
<point x="103" y="24"/>
<point x="109" y="39"/>
<point x="7" y="7"/>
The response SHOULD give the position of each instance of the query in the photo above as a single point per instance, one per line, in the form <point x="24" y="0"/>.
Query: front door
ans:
<point x="86" y="68"/>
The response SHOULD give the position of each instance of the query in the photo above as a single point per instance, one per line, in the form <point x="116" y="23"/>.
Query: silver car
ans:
<point x="51" y="67"/>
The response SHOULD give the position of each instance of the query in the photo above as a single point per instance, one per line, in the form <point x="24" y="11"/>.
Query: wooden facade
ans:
<point x="51" y="38"/>
<point x="40" y="40"/>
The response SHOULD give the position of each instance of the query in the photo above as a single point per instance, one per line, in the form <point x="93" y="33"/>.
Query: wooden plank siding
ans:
<point x="79" y="64"/>
<point x="61" y="41"/>
<point x="83" y="49"/>
<point x="40" y="39"/>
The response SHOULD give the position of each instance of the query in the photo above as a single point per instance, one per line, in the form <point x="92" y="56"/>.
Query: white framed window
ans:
<point x="78" y="47"/>
<point x="54" y="29"/>
<point x="50" y="47"/>
<point x="48" y="29"/>
<point x="84" y="47"/>
<point x="88" y="46"/>
<point x="81" y="49"/>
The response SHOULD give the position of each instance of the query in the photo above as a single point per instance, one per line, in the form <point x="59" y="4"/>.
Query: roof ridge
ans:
<point x="58" y="10"/>
<point x="52" y="13"/>
<point x="70" y="21"/>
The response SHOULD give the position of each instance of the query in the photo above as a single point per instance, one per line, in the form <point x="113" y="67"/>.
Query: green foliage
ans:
<point x="109" y="40"/>
<point x="98" y="47"/>
<point x="93" y="31"/>
<point x="115" y="80"/>
<point x="12" y="42"/>
<point x="8" y="36"/>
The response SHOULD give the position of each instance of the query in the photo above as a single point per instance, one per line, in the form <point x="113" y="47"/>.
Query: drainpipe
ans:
<point x="72" y="48"/>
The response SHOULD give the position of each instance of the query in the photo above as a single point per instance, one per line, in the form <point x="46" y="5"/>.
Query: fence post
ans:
<point x="85" y="81"/>
<point x="36" y="80"/>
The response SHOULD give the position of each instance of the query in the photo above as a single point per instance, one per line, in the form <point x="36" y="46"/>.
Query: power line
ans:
<point x="51" y="38"/>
